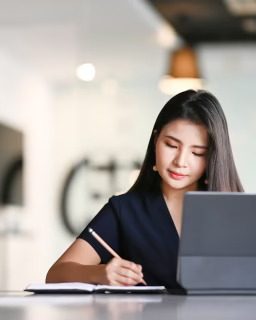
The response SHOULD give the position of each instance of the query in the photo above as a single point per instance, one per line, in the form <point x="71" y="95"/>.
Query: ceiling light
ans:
<point x="171" y="86"/>
<point x="183" y="72"/>
<point x="184" y="63"/>
<point x="86" y="72"/>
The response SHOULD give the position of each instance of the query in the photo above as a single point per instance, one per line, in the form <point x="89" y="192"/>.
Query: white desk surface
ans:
<point x="27" y="306"/>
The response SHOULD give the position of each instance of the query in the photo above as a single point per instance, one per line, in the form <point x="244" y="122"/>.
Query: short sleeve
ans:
<point x="106" y="225"/>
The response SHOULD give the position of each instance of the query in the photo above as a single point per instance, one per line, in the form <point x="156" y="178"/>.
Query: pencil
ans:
<point x="106" y="246"/>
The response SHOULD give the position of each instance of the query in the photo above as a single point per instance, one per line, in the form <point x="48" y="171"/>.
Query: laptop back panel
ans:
<point x="218" y="242"/>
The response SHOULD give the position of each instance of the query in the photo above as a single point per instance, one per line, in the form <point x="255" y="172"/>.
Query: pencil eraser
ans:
<point x="90" y="230"/>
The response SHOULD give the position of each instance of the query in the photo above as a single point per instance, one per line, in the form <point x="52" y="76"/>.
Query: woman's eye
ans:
<point x="170" y="145"/>
<point x="199" y="154"/>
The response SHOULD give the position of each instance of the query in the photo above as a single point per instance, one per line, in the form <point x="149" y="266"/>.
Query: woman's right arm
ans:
<point x="81" y="263"/>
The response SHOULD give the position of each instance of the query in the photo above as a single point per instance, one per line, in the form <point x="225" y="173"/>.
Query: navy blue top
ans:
<point x="139" y="227"/>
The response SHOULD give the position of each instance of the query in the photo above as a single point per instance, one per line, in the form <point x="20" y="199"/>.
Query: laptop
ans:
<point x="217" y="250"/>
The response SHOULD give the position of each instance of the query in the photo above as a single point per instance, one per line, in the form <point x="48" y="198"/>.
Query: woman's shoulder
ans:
<point x="129" y="196"/>
<point x="133" y="198"/>
<point x="136" y="203"/>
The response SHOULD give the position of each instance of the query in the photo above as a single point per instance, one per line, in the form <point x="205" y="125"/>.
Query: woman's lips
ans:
<point x="176" y="176"/>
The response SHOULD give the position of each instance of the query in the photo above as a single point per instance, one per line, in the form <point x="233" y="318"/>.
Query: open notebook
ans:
<point x="80" y="287"/>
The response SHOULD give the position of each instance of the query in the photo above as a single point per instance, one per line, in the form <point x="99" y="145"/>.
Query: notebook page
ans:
<point x="65" y="286"/>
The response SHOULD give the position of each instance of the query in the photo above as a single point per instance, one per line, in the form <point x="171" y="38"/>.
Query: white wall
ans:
<point x="26" y="105"/>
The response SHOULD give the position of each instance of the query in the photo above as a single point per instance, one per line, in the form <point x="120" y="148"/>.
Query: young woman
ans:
<point x="189" y="149"/>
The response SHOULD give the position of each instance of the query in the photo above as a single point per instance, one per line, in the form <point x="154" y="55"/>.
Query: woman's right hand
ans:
<point x="120" y="272"/>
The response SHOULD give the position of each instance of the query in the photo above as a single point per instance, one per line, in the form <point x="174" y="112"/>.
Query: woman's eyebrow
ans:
<point x="177" y="140"/>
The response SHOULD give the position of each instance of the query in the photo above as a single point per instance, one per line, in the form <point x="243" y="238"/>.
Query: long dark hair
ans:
<point x="202" y="108"/>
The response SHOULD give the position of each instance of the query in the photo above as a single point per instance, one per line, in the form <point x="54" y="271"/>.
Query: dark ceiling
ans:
<point x="199" y="21"/>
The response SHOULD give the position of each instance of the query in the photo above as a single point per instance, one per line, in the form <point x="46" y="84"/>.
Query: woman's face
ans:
<point x="181" y="154"/>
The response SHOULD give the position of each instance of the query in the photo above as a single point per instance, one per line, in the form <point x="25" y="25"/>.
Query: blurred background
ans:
<point x="81" y="84"/>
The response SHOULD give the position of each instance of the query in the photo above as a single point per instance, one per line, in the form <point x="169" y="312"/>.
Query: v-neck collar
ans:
<point x="167" y="215"/>
<point x="166" y="211"/>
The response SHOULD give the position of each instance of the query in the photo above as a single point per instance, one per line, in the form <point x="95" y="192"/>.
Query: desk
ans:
<point x="26" y="306"/>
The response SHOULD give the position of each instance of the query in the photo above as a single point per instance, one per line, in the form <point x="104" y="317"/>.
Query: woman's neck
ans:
<point x="171" y="194"/>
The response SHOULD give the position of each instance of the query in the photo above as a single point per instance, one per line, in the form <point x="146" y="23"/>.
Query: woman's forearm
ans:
<point x="75" y="272"/>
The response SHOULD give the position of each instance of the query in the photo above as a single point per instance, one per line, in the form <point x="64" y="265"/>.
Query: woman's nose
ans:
<point x="181" y="159"/>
